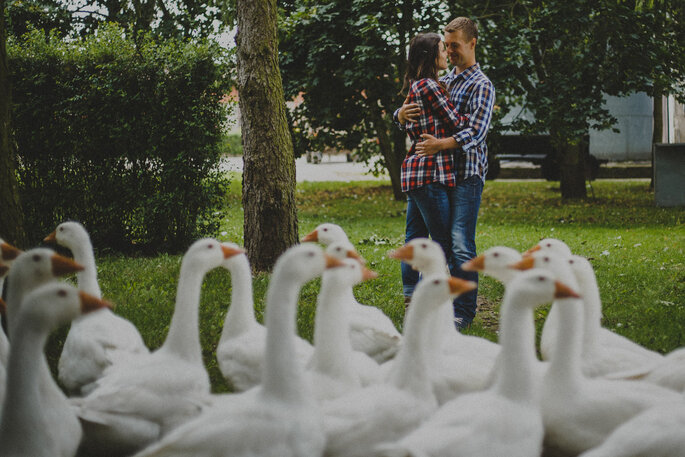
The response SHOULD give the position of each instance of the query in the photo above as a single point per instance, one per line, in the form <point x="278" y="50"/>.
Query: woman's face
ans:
<point x="442" y="56"/>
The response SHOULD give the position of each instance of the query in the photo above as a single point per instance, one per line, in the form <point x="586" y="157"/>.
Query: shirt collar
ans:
<point x="466" y="74"/>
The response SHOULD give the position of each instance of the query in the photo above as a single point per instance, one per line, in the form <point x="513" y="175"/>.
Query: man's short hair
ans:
<point x="463" y="23"/>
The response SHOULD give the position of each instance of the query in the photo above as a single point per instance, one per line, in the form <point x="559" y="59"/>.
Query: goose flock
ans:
<point x="361" y="389"/>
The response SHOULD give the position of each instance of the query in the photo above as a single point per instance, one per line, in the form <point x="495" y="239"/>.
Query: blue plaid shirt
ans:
<point x="472" y="94"/>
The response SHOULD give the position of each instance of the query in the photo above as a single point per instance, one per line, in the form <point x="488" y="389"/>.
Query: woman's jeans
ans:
<point x="448" y="216"/>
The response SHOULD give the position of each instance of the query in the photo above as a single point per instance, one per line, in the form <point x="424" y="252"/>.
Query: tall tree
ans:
<point x="270" y="225"/>
<point x="12" y="220"/>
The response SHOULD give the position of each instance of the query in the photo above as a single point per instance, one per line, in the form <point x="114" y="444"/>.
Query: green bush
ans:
<point x="123" y="136"/>
<point x="232" y="144"/>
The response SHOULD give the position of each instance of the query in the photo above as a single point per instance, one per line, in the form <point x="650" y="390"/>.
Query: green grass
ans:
<point x="636" y="249"/>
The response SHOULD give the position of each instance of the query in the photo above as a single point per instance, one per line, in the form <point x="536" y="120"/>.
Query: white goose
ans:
<point x="4" y="353"/>
<point x="355" y="423"/>
<point x="657" y="432"/>
<point x="335" y="368"/>
<point x="7" y="255"/>
<point x="496" y="262"/>
<point x="505" y="419"/>
<point x="279" y="418"/>
<point x="240" y="351"/>
<point x="137" y="402"/>
<point x="371" y="330"/>
<point x="25" y="428"/>
<point x="462" y="363"/>
<point x="95" y="340"/>
<point x="580" y="412"/>
<point x="592" y="318"/>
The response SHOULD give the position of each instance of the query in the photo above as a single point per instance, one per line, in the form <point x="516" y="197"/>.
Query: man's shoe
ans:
<point x="460" y="323"/>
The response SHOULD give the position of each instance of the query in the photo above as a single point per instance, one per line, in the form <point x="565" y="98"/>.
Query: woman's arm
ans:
<point x="442" y="107"/>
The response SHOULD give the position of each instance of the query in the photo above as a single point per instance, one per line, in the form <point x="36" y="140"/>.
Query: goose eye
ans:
<point x="436" y="281"/>
<point x="541" y="278"/>
<point x="211" y="246"/>
<point x="424" y="245"/>
<point x="546" y="259"/>
<point x="496" y="254"/>
<point x="310" y="254"/>
<point x="325" y="229"/>
<point x="36" y="257"/>
<point x="61" y="229"/>
<point x="571" y="262"/>
<point x="62" y="293"/>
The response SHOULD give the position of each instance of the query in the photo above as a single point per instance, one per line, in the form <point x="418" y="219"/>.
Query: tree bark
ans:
<point x="658" y="131"/>
<point x="393" y="151"/>
<point x="573" y="170"/>
<point x="270" y="221"/>
<point x="12" y="220"/>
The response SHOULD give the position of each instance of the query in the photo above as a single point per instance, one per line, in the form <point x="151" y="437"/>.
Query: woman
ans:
<point x="427" y="178"/>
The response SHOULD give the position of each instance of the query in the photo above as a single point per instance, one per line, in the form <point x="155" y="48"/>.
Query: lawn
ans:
<point x="636" y="249"/>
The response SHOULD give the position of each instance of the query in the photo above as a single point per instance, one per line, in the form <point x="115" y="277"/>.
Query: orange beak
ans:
<point x="368" y="274"/>
<point x="230" y="251"/>
<point x="311" y="236"/>
<point x="561" y="290"/>
<point x="533" y="249"/>
<point x="405" y="253"/>
<point x="459" y="286"/>
<point x="352" y="254"/>
<point x="90" y="303"/>
<point x="51" y="238"/>
<point x="332" y="262"/>
<point x="9" y="252"/>
<point x="524" y="264"/>
<point x="475" y="264"/>
<point x="63" y="266"/>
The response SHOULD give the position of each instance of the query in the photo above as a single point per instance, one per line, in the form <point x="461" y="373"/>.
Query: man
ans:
<point x="472" y="94"/>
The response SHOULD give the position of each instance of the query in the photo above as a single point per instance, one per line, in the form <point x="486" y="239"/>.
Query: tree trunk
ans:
<point x="270" y="221"/>
<point x="12" y="220"/>
<point x="573" y="169"/>
<point x="392" y="149"/>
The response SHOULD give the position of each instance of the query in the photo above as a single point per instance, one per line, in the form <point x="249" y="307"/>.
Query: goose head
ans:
<point x="342" y="250"/>
<point x="206" y="254"/>
<point x="69" y="234"/>
<point x="536" y="287"/>
<point x="434" y="290"/>
<point x="57" y="303"/>
<point x="350" y="273"/>
<point x="494" y="262"/>
<point x="550" y="245"/>
<point x="304" y="262"/>
<point x="326" y="234"/>
<point x="39" y="265"/>
<point x="556" y="263"/>
<point x="422" y="254"/>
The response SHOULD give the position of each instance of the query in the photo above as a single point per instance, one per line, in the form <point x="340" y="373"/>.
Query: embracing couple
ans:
<point x="447" y="120"/>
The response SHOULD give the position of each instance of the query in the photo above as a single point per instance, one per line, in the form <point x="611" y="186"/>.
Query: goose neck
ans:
<point x="183" y="339"/>
<point x="592" y="309"/>
<point x="565" y="365"/>
<point x="240" y="314"/>
<point x="87" y="278"/>
<point x="282" y="378"/>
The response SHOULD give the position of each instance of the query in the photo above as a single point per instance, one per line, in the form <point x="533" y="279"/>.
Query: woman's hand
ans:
<point x="409" y="112"/>
<point x="429" y="146"/>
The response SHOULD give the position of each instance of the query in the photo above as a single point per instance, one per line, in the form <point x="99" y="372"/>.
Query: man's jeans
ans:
<point x="448" y="216"/>
<point x="465" y="201"/>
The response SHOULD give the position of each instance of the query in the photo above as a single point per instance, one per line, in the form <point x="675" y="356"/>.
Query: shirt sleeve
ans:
<point x="396" y="119"/>
<point x="443" y="107"/>
<point x="481" y="103"/>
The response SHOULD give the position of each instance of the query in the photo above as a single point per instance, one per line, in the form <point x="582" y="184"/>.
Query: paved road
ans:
<point x="332" y="168"/>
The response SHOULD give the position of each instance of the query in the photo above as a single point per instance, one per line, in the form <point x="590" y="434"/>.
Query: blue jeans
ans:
<point x="465" y="201"/>
<point x="428" y="215"/>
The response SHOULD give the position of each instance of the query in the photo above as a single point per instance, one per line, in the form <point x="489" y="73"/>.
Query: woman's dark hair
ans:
<point x="422" y="58"/>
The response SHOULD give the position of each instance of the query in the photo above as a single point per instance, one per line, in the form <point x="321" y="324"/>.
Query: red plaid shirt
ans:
<point x="440" y="119"/>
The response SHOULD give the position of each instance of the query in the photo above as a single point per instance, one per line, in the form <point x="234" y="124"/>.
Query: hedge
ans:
<point x="122" y="136"/>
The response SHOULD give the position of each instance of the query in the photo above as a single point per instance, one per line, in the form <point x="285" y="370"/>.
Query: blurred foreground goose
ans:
<point x="95" y="340"/>
<point x="4" y="353"/>
<point x="7" y="255"/>
<point x="579" y="413"/>
<point x="335" y="368"/>
<point x="656" y="432"/>
<point x="137" y="402"/>
<point x="356" y="422"/>
<point x="495" y="262"/>
<point x="504" y="419"/>
<point x="459" y="363"/>
<point x="371" y="330"/>
<point x="240" y="352"/>
<point x="33" y="423"/>
<point x="592" y="317"/>
<point x="278" y="418"/>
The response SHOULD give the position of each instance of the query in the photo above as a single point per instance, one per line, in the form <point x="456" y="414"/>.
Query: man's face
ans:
<point x="460" y="51"/>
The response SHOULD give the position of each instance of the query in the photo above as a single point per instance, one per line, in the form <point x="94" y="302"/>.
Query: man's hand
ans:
<point x="409" y="112"/>
<point x="431" y="145"/>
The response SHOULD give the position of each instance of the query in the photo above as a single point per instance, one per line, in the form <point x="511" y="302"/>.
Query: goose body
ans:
<point x="7" y="254"/>
<point x="278" y="418"/>
<point x="460" y="363"/>
<point x="371" y="330"/>
<point x="96" y="340"/>
<point x="355" y="423"/>
<point x="137" y="402"/>
<point x="35" y="421"/>
<point x="580" y="412"/>
<point x="504" y="419"/>
<point x="240" y="352"/>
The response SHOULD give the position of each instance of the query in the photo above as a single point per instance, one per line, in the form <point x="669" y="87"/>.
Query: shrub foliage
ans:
<point x="121" y="135"/>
